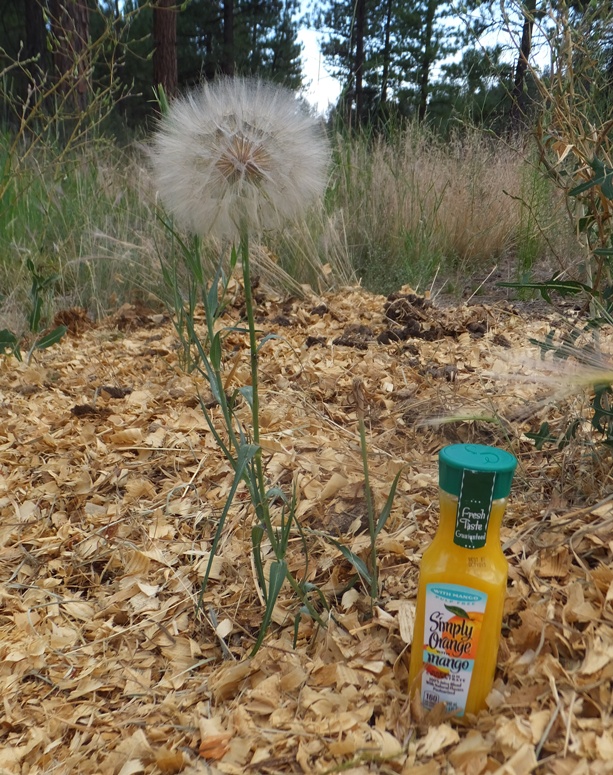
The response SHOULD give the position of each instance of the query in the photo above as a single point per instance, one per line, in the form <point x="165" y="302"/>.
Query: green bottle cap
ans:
<point x="457" y="458"/>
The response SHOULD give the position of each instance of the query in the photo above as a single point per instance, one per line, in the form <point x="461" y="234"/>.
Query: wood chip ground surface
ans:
<point x="110" y="491"/>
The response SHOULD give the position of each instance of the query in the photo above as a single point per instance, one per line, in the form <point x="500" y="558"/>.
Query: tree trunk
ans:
<point x="37" y="66"/>
<point x="227" y="64"/>
<point x="36" y="40"/>
<point x="70" y="50"/>
<point x="165" y="71"/>
<point x="360" y="24"/>
<point x="426" y="62"/>
<point x="518" y="95"/>
<point x="386" y="52"/>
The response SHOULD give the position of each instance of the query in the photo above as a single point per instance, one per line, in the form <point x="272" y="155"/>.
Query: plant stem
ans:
<point x="261" y="507"/>
<point x="374" y="579"/>
<point x="253" y="346"/>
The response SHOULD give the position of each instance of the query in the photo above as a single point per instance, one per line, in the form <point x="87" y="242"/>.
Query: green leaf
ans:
<point x="388" y="505"/>
<point x="257" y="533"/>
<point x="545" y="437"/>
<point x="53" y="337"/>
<point x="35" y="314"/>
<point x="216" y="352"/>
<point x="245" y="454"/>
<point x="583" y="224"/>
<point x="542" y="437"/>
<point x="607" y="186"/>
<point x="277" y="493"/>
<point x="278" y="573"/>
<point x="357" y="562"/>
<point x="267" y="338"/>
<point x="283" y="535"/>
<point x="303" y="610"/>
<point x="307" y="587"/>
<point x="212" y="297"/>
<point x="247" y="393"/>
<point x="160" y="95"/>
<point x="233" y="258"/>
<point x="457" y="611"/>
<point x="603" y="177"/>
<point x="9" y="343"/>
<point x="216" y="389"/>
<point x="569" y="434"/>
<point x="583" y="187"/>
<point x="563" y="287"/>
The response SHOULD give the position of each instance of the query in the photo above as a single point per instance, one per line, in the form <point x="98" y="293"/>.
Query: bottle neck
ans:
<point x="470" y="525"/>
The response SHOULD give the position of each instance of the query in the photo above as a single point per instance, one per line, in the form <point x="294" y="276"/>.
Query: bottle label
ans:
<point x="454" y="615"/>
<point x="474" y="508"/>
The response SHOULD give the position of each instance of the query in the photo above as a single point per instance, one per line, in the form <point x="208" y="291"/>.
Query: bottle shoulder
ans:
<point x="463" y="566"/>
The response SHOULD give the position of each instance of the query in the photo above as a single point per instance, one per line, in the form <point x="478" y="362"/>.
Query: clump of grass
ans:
<point x="79" y="217"/>
<point x="314" y="251"/>
<point x="107" y="254"/>
<point x="415" y="205"/>
<point x="400" y="209"/>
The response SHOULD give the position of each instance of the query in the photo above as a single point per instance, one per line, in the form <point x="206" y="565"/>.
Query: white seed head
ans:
<point x="239" y="154"/>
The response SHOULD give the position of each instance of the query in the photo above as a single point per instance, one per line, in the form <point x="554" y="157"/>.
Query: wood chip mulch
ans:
<point x="111" y="486"/>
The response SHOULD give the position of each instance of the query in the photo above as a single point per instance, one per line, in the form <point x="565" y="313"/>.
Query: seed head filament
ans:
<point x="243" y="158"/>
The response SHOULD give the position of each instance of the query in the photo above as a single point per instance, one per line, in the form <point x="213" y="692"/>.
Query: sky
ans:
<point x="321" y="89"/>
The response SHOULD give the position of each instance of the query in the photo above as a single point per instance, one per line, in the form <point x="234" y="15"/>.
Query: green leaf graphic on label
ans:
<point x="457" y="611"/>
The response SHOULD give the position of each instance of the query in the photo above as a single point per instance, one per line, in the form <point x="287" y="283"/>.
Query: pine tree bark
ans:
<point x="426" y="62"/>
<point x="227" y="64"/>
<point x="360" y="25"/>
<point x="165" y="70"/>
<point x="36" y="37"/>
<point x="387" y="54"/>
<point x="70" y="50"/>
<point x="37" y="61"/>
<point x="518" y="95"/>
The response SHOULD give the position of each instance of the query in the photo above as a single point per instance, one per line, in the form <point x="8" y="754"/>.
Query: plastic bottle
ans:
<point x="462" y="582"/>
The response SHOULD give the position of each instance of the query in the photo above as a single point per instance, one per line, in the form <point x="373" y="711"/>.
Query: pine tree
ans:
<point x="384" y="52"/>
<point x="165" y="41"/>
<point x="245" y="37"/>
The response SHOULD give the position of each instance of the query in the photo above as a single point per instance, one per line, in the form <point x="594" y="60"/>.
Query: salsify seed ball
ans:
<point x="239" y="155"/>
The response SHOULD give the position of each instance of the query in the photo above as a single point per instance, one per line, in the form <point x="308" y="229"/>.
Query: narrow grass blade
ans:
<point x="245" y="454"/>
<point x="212" y="297"/>
<point x="268" y="338"/>
<point x="35" y="314"/>
<point x="278" y="573"/>
<point x="383" y="517"/>
<point x="357" y="562"/>
<point x="306" y="588"/>
<point x="247" y="393"/>
<point x="216" y="351"/>
<point x="257" y="533"/>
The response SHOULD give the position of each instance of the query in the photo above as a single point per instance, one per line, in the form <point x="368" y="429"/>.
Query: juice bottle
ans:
<point x="462" y="582"/>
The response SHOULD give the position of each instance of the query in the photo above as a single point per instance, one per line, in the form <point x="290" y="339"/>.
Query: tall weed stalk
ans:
<point x="275" y="518"/>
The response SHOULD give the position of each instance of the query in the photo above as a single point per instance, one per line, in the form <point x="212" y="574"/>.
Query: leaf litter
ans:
<point x="110" y="491"/>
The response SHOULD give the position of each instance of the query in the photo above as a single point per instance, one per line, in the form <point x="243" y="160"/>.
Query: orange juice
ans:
<point x="462" y="582"/>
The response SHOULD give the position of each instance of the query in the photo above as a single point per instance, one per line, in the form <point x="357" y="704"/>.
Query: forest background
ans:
<point x="451" y="161"/>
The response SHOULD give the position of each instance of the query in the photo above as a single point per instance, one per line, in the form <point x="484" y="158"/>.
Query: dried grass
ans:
<point x="415" y="203"/>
